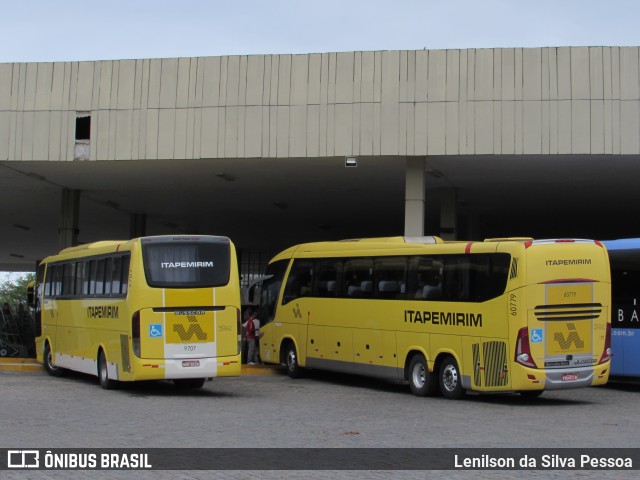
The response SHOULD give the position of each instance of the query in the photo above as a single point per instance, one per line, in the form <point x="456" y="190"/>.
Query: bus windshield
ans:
<point x="186" y="262"/>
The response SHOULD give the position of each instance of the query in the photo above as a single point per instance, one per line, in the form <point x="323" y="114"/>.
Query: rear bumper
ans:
<point x="562" y="378"/>
<point x="587" y="377"/>
<point x="173" y="369"/>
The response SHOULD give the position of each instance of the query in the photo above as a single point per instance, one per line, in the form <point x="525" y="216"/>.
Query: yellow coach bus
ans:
<point x="500" y="315"/>
<point x="165" y="307"/>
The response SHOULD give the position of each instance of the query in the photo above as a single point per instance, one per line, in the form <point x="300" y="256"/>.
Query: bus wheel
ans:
<point x="48" y="362"/>
<point x="530" y="393"/>
<point x="293" y="369"/>
<point x="184" y="383"/>
<point x="103" y="373"/>
<point x="421" y="381"/>
<point x="450" y="380"/>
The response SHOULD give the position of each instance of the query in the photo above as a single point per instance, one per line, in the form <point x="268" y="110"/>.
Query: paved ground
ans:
<point x="321" y="410"/>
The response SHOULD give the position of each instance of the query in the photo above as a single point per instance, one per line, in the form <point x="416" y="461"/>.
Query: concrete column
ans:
<point x="448" y="217"/>
<point x="474" y="227"/>
<point x="138" y="225"/>
<point x="68" y="230"/>
<point x="414" y="197"/>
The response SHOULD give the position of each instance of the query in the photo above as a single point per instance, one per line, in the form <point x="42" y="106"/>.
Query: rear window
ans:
<point x="192" y="262"/>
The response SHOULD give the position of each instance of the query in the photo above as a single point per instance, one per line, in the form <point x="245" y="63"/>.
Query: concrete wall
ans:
<point x="441" y="102"/>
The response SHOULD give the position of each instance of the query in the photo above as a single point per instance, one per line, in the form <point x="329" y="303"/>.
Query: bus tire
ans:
<point x="188" y="383"/>
<point x="421" y="382"/>
<point x="103" y="372"/>
<point x="450" y="379"/>
<point x="291" y="361"/>
<point x="47" y="360"/>
<point x="530" y="393"/>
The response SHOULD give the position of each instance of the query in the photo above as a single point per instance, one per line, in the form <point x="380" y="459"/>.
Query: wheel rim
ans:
<point x="50" y="364"/>
<point x="418" y="375"/>
<point x="450" y="378"/>
<point x="291" y="360"/>
<point x="103" y="370"/>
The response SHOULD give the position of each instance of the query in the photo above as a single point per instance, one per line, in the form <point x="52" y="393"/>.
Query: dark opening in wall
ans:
<point x="83" y="127"/>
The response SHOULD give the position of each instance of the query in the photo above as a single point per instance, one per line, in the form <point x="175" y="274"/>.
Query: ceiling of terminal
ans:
<point x="267" y="204"/>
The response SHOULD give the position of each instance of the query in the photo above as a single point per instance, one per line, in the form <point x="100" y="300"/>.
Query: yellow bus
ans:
<point x="165" y="307"/>
<point x="500" y="315"/>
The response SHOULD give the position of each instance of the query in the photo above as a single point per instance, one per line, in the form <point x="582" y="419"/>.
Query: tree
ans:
<point x="14" y="292"/>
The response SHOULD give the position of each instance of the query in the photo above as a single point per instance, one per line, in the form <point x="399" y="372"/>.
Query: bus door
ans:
<point x="269" y="293"/>
<point x="625" y="314"/>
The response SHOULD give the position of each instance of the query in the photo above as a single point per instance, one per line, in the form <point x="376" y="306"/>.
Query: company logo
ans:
<point x="577" y="261"/>
<point x="572" y="338"/>
<point x="102" y="311"/>
<point x="194" y="329"/>
<point x="452" y="319"/>
<point x="186" y="265"/>
<point x="23" y="459"/>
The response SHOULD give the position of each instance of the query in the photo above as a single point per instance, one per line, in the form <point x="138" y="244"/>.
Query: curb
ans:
<point x="31" y="365"/>
<point x="259" y="369"/>
<point x="20" y="365"/>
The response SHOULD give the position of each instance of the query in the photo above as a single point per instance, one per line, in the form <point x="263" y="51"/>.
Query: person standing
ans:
<point x="251" y="340"/>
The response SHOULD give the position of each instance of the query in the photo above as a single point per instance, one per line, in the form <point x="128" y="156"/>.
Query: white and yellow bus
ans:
<point x="165" y="307"/>
<point x="500" y="315"/>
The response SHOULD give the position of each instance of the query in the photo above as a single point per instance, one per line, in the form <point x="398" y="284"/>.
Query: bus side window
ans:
<point x="56" y="285"/>
<point x="108" y="275"/>
<point x="48" y="282"/>
<point x="299" y="281"/>
<point x="116" y="276"/>
<point x="125" y="274"/>
<point x="67" y="279"/>
<point x="456" y="278"/>
<point x="357" y="278"/>
<point x="327" y="278"/>
<point x="79" y="278"/>
<point x="488" y="276"/>
<point x="88" y="283"/>
<point x="425" y="278"/>
<point x="390" y="277"/>
<point x="99" y="276"/>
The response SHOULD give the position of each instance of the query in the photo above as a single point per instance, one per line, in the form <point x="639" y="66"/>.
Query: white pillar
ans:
<point x="414" y="197"/>
<point x="68" y="230"/>
<point x="448" y="217"/>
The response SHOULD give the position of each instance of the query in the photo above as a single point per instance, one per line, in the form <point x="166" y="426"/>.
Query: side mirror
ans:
<point x="31" y="294"/>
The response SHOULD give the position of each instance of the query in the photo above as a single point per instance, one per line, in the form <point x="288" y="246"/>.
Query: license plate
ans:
<point x="196" y="363"/>
<point x="569" y="377"/>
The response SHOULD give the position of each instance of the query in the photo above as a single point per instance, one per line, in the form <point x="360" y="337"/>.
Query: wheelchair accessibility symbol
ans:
<point x="155" y="330"/>
<point x="536" y="335"/>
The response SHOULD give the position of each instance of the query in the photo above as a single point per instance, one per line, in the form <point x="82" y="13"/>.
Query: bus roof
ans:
<point x="622" y="244"/>
<point x="92" y="246"/>
<point x="108" y="245"/>
<point x="402" y="244"/>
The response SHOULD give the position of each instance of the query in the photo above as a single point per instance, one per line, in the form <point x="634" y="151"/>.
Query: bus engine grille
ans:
<point x="568" y="312"/>
<point x="494" y="359"/>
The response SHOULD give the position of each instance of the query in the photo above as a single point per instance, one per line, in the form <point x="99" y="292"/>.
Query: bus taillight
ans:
<point x="523" y="350"/>
<point x="606" y="354"/>
<point x="239" y="329"/>
<point x="135" y="333"/>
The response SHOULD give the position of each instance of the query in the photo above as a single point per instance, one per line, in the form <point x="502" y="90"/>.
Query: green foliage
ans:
<point x="14" y="292"/>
